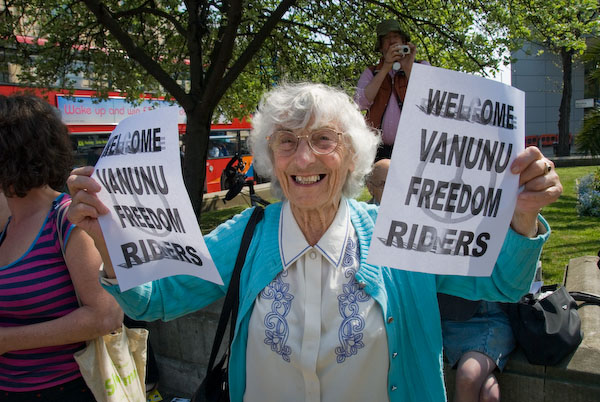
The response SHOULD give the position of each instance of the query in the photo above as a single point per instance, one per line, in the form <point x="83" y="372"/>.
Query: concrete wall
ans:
<point x="540" y="76"/>
<point x="182" y="349"/>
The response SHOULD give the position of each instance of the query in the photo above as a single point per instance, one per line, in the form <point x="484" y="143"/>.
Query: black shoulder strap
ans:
<point x="231" y="303"/>
<point x="588" y="298"/>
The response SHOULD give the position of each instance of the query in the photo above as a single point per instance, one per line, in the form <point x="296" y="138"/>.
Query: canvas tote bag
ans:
<point x="114" y="365"/>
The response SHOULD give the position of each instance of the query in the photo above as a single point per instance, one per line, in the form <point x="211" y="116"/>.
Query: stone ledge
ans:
<point x="582" y="274"/>
<point x="214" y="201"/>
<point x="575" y="160"/>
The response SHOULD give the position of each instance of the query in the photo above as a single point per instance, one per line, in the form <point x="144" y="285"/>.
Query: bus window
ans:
<point x="222" y="146"/>
<point x="88" y="147"/>
<point x="244" y="148"/>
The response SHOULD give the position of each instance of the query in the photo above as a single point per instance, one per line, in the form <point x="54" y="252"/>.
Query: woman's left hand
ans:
<point x="541" y="187"/>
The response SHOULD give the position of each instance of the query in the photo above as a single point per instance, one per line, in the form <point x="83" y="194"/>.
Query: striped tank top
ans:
<point x="37" y="288"/>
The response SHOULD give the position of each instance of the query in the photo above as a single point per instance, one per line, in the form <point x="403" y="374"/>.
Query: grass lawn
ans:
<point x="572" y="236"/>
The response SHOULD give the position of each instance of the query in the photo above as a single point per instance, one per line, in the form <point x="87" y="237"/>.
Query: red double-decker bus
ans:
<point x="91" y="122"/>
<point x="227" y="140"/>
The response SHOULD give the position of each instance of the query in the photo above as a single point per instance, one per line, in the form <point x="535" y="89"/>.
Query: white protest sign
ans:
<point x="151" y="231"/>
<point x="449" y="194"/>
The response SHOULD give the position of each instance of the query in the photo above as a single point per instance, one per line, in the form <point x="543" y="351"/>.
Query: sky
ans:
<point x="503" y="75"/>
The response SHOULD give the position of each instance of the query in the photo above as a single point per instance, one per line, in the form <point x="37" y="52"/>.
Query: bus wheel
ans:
<point x="224" y="182"/>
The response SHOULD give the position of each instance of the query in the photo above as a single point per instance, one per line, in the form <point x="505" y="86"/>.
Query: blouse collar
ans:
<point x="293" y="245"/>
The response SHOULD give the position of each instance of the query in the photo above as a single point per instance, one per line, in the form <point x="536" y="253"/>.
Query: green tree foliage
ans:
<point x="217" y="57"/>
<point x="588" y="139"/>
<point x="562" y="27"/>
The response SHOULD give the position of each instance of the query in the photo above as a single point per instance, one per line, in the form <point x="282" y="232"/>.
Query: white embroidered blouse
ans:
<point x="314" y="326"/>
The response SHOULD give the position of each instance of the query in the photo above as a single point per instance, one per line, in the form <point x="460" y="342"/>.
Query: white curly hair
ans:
<point x="295" y="106"/>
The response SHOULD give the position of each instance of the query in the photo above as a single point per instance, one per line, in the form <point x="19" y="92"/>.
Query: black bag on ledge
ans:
<point x="549" y="328"/>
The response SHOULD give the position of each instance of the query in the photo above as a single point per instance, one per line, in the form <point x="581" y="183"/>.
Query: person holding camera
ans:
<point x="381" y="88"/>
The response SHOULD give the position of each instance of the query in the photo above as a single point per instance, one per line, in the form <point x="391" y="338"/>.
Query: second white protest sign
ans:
<point x="450" y="195"/>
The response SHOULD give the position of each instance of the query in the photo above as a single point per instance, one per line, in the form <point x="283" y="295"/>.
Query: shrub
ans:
<point x="588" y="139"/>
<point x="588" y="195"/>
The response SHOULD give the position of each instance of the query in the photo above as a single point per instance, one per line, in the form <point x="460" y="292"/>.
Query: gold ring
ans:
<point x="548" y="168"/>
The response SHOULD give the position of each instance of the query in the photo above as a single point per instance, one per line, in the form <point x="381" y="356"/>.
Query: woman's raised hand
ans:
<point x="541" y="187"/>
<point x="86" y="207"/>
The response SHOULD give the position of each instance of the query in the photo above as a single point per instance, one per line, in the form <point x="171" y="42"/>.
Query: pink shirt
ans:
<point x="391" y="117"/>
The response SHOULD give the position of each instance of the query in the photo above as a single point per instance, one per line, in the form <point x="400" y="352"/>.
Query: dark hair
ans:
<point x="35" y="149"/>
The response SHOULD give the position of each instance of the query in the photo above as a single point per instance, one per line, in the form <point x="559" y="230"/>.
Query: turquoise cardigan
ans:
<point x="407" y="299"/>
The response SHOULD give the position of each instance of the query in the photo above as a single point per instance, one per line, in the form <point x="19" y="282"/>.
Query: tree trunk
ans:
<point x="564" y="112"/>
<point x="194" y="161"/>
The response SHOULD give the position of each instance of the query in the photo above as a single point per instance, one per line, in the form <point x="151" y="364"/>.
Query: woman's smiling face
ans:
<point x="314" y="181"/>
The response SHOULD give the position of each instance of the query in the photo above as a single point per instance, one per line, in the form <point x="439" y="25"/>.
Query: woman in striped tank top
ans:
<point x="41" y="322"/>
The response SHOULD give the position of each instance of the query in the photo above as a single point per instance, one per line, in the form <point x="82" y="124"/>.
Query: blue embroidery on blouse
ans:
<point x="350" y="333"/>
<point x="278" y="330"/>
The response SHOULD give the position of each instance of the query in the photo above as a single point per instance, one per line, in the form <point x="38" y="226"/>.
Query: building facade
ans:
<point x="539" y="75"/>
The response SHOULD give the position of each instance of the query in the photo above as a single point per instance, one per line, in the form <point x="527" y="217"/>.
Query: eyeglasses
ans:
<point x="322" y="141"/>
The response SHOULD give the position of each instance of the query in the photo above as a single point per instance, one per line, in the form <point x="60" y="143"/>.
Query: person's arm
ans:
<point x="522" y="246"/>
<point x="174" y="296"/>
<point x="166" y="298"/>
<point x="369" y="86"/>
<point x="373" y="86"/>
<point x="360" y="97"/>
<point x="98" y="315"/>
<point x="512" y="275"/>
<point x="369" y="83"/>
<point x="392" y="55"/>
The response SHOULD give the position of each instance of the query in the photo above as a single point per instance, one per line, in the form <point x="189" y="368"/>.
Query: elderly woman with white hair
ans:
<point x="315" y="321"/>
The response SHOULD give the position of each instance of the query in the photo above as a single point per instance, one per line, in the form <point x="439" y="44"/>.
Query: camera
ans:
<point x="404" y="49"/>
